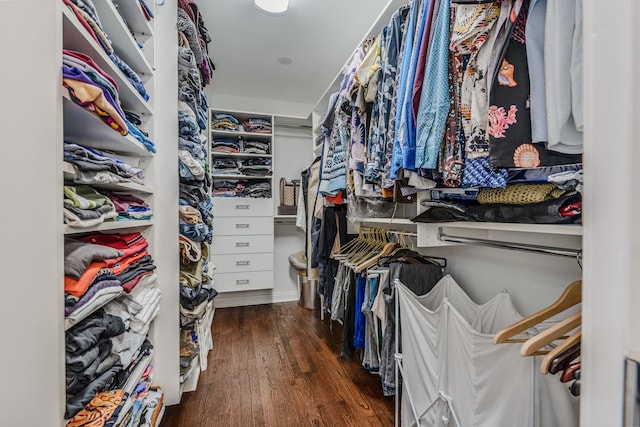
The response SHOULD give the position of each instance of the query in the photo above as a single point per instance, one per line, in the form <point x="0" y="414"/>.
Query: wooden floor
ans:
<point x="279" y="366"/>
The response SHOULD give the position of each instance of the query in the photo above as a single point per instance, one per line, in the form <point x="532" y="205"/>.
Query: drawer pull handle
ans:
<point x="242" y="206"/>
<point x="243" y="282"/>
<point x="238" y="263"/>
<point x="243" y="225"/>
<point x="243" y="244"/>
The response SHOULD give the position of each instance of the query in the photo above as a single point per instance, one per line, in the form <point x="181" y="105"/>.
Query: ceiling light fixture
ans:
<point x="274" y="7"/>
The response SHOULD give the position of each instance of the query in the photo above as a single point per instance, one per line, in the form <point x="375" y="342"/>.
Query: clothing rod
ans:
<point x="549" y="250"/>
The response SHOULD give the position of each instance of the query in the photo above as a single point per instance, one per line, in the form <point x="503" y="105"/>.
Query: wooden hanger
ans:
<point x="567" y="344"/>
<point x="557" y="331"/>
<point x="386" y="250"/>
<point x="571" y="296"/>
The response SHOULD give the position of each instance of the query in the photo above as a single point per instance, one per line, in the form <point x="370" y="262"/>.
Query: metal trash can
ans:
<point x="309" y="297"/>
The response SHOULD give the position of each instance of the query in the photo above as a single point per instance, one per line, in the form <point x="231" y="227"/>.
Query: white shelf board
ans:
<point x="215" y="154"/>
<point x="191" y="384"/>
<point x="83" y="127"/>
<point x="387" y="221"/>
<point x="76" y="38"/>
<point x="137" y="373"/>
<point x="109" y="226"/>
<point x="132" y="11"/>
<point x="125" y="46"/>
<point x="559" y="229"/>
<point x="70" y="174"/>
<point x="227" y="133"/>
<point x="228" y="177"/>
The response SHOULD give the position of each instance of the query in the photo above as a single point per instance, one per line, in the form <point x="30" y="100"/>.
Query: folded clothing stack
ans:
<point x="258" y="190"/>
<point x="226" y="122"/>
<point x="257" y="126"/>
<point x="256" y="167"/>
<point x="226" y="145"/>
<point x="225" y="167"/>
<point x="228" y="188"/>
<point x="256" y="147"/>
<point x="96" y="167"/>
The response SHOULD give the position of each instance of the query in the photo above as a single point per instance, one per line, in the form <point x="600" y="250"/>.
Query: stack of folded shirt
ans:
<point x="226" y="122"/>
<point x="95" y="90"/>
<point x="190" y="168"/>
<point x="96" y="167"/>
<point x="90" y="21"/>
<point x="257" y="125"/>
<point x="226" y="145"/>
<point x="256" y="167"/>
<point x="152" y="406"/>
<point x="130" y="207"/>
<point x="225" y="167"/>
<point x="133" y="407"/>
<point x="103" y="410"/>
<point x="90" y="365"/>
<point x="85" y="207"/>
<point x="258" y="190"/>
<point x="255" y="147"/>
<point x="228" y="188"/>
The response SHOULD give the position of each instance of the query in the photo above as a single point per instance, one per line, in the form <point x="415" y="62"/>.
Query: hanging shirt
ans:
<point x="405" y="68"/>
<point x="435" y="99"/>
<point x="381" y="138"/>
<point x="563" y="69"/>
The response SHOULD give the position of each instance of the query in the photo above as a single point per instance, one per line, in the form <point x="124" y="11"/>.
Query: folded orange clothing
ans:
<point x="99" y="410"/>
<point x="77" y="288"/>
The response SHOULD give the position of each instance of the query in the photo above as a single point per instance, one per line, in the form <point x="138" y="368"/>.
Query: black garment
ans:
<point x="348" y="327"/>
<point x="102" y="383"/>
<point x="420" y="279"/>
<point x="547" y="212"/>
<point x="334" y="222"/>
<point x="87" y="333"/>
<point x="144" y="264"/>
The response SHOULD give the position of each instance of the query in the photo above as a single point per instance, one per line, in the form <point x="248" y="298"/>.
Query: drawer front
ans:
<point x="242" y="206"/>
<point x="243" y="226"/>
<point x="223" y="245"/>
<point x="240" y="263"/>
<point x="238" y="282"/>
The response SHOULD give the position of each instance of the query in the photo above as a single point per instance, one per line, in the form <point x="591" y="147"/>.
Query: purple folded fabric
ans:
<point x="88" y="296"/>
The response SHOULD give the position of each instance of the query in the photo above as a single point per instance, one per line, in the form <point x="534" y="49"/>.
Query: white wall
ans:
<point x="31" y="307"/>
<point x="221" y="101"/>
<point x="610" y="37"/>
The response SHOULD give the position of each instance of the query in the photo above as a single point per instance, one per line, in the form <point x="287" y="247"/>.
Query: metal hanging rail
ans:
<point x="548" y="250"/>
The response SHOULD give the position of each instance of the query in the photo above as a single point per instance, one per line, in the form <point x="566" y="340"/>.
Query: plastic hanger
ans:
<point x="570" y="372"/>
<point x="570" y="346"/>
<point x="571" y="296"/>
<point x="557" y="331"/>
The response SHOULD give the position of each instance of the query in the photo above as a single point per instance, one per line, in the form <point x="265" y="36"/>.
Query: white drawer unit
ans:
<point x="242" y="206"/>
<point x="243" y="226"/>
<point x="223" y="245"/>
<point x="238" y="282"/>
<point x="240" y="263"/>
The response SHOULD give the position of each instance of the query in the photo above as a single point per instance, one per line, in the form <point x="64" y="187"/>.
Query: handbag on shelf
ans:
<point x="289" y="192"/>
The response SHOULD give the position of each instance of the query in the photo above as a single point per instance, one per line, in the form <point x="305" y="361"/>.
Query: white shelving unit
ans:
<point x="76" y="38"/>
<point x="83" y="127"/>
<point x="243" y="249"/>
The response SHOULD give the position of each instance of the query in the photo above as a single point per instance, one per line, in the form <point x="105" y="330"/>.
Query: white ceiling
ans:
<point x="317" y="35"/>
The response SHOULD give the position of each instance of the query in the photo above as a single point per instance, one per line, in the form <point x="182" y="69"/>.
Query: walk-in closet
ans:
<point x="304" y="213"/>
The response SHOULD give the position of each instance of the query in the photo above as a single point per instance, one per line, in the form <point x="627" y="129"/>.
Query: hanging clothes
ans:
<point x="380" y="143"/>
<point x="435" y="99"/>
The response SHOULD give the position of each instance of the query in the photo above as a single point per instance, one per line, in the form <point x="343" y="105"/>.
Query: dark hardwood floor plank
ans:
<point x="279" y="365"/>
